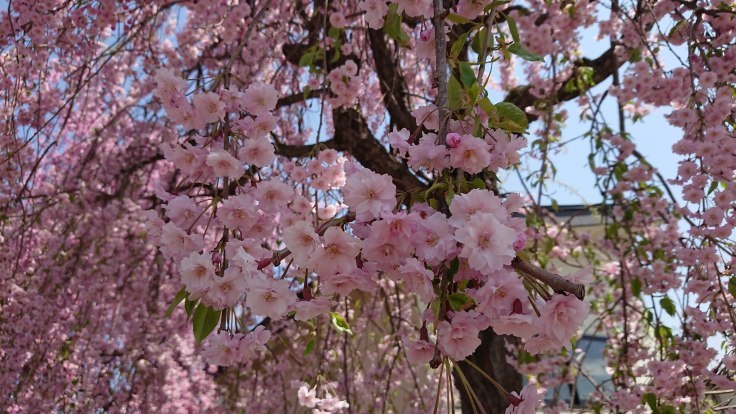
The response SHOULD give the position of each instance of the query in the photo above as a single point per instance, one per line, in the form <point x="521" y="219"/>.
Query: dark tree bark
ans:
<point x="491" y="358"/>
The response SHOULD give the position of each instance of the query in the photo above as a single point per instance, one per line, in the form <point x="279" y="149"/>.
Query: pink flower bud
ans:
<point x="425" y="35"/>
<point x="520" y="241"/>
<point x="453" y="139"/>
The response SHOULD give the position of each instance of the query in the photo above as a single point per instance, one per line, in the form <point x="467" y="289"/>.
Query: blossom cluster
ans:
<point x="223" y="265"/>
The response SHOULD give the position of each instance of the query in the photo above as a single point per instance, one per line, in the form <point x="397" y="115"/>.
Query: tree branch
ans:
<point x="391" y="81"/>
<point x="555" y="281"/>
<point x="441" y="70"/>
<point x="603" y="67"/>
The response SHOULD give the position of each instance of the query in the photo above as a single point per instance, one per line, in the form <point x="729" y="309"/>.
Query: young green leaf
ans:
<point x="310" y="347"/>
<point x="456" y="95"/>
<point x="479" y="40"/>
<point x="487" y="107"/>
<point x="732" y="286"/>
<point x="467" y="74"/>
<point x="189" y="307"/>
<point x="340" y="323"/>
<point x="456" y="18"/>
<point x="459" y="301"/>
<point x="668" y="305"/>
<point x="205" y="321"/>
<point x="522" y="52"/>
<point x="513" y="28"/>
<point x="180" y="296"/>
<point x="635" y="287"/>
<point x="457" y="46"/>
<point x="510" y="112"/>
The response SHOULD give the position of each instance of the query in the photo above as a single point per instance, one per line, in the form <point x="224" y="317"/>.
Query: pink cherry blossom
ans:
<point x="271" y="194"/>
<point x="259" y="98"/>
<point x="465" y="205"/>
<point x="269" y="297"/>
<point x="470" y="154"/>
<point x="344" y="283"/>
<point x="258" y="152"/>
<point x="302" y="241"/>
<point x="338" y="253"/>
<point x="417" y="279"/>
<point x="418" y="352"/>
<point x="458" y="338"/>
<point x="308" y="309"/>
<point x="197" y="273"/>
<point x="369" y="194"/>
<point x="427" y="116"/>
<point x="530" y="398"/>
<point x="208" y="107"/>
<point x="562" y="315"/>
<point x="496" y="297"/>
<point x="222" y="349"/>
<point x="487" y="244"/>
<point x="176" y="243"/>
<point x="416" y="8"/>
<point x="226" y="291"/>
<point x="375" y="10"/>
<point x="224" y="165"/>
<point x="436" y="240"/>
<point x="183" y="211"/>
<point x="428" y="155"/>
<point x="237" y="212"/>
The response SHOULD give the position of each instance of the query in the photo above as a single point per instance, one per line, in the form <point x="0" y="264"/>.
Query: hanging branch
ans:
<point x="555" y="281"/>
<point x="438" y="20"/>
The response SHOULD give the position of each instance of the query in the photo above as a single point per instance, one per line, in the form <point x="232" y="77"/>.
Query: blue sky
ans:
<point x="653" y="136"/>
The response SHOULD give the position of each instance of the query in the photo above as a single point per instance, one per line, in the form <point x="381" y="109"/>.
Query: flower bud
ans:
<point x="453" y="139"/>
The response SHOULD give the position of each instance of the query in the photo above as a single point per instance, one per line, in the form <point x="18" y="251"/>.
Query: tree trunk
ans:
<point x="491" y="358"/>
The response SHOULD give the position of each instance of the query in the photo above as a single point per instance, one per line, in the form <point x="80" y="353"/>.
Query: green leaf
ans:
<point x="419" y="197"/>
<point x="449" y="195"/>
<point x="513" y="29"/>
<point x="340" y="323"/>
<point x="456" y="18"/>
<point x="667" y="409"/>
<point x="467" y="75"/>
<point x="495" y="4"/>
<point x="474" y="92"/>
<point x="650" y="399"/>
<point x="454" y="266"/>
<point x="335" y="56"/>
<point x="310" y="347"/>
<point x="668" y="305"/>
<point x="479" y="40"/>
<point x="459" y="301"/>
<point x="522" y="52"/>
<point x="477" y="183"/>
<point x="456" y="95"/>
<point x="487" y="107"/>
<point x="189" y="307"/>
<point x="635" y="287"/>
<point x="732" y="286"/>
<point x="392" y="26"/>
<point x="457" y="45"/>
<point x="511" y="112"/>
<point x="308" y="57"/>
<point x="712" y="187"/>
<point x="205" y="321"/>
<point x="180" y="296"/>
